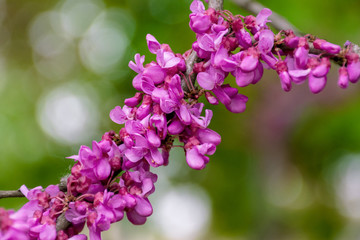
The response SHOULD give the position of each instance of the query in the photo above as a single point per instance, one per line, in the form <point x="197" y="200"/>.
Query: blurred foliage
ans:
<point x="318" y="133"/>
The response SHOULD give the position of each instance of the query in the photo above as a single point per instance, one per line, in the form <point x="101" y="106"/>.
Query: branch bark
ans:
<point x="280" y="23"/>
<point x="17" y="193"/>
<point x="356" y="49"/>
<point x="193" y="58"/>
<point x="190" y="61"/>
<point x="61" y="223"/>
<point x="277" y="21"/>
<point x="216" y="4"/>
<point x="11" y="194"/>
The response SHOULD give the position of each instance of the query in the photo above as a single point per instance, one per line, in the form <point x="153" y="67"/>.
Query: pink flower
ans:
<point x="199" y="21"/>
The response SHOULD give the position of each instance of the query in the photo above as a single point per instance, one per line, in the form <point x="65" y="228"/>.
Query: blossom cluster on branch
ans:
<point x="114" y="178"/>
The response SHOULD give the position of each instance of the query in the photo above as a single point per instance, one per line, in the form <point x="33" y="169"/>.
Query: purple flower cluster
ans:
<point x="37" y="218"/>
<point x="162" y="111"/>
<point x="95" y="196"/>
<point x="244" y="46"/>
<point x="104" y="200"/>
<point x="113" y="177"/>
<point x="152" y="119"/>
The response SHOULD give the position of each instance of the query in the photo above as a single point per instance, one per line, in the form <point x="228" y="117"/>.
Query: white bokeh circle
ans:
<point x="68" y="114"/>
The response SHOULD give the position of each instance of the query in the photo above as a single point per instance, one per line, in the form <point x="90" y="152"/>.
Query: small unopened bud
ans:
<point x="75" y="170"/>
<point x="135" y="190"/>
<point x="199" y="67"/>
<point x="326" y="46"/>
<point x="230" y="43"/>
<point x="115" y="163"/>
<point x="237" y="25"/>
<point x="211" y="99"/>
<point x="44" y="199"/>
<point x="83" y="184"/>
<point x="133" y="101"/>
<point x="108" y="135"/>
<point x="127" y="178"/>
<point x="99" y="198"/>
<point x="61" y="235"/>
<point x="213" y="15"/>
<point x="91" y="218"/>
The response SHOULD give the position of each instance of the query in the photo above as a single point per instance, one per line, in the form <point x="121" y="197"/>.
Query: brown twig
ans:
<point x="11" y="194"/>
<point x="61" y="223"/>
<point x="17" y="193"/>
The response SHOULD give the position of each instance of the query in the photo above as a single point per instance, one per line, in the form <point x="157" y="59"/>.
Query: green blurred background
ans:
<point x="287" y="168"/>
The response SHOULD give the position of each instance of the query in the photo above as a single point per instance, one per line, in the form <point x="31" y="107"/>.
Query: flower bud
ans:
<point x="343" y="81"/>
<point x="211" y="99"/>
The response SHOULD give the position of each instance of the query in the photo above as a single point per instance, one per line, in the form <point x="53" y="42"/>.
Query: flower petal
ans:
<point x="103" y="169"/>
<point x="153" y="138"/>
<point x="196" y="160"/>
<point x="243" y="79"/>
<point x="117" y="115"/>
<point x="135" y="218"/>
<point x="197" y="7"/>
<point x="135" y="154"/>
<point x="152" y="43"/>
<point x="299" y="76"/>
<point x="238" y="104"/>
<point x="208" y="136"/>
<point x="316" y="85"/>
<point x="156" y="157"/>
<point x="205" y="81"/>
<point x="143" y="207"/>
<point x="221" y="95"/>
<point x="261" y="18"/>
<point x="184" y="115"/>
<point x="78" y="237"/>
<point x="354" y="71"/>
<point x="249" y="63"/>
<point x="147" y="85"/>
<point x="175" y="127"/>
<point x="266" y="41"/>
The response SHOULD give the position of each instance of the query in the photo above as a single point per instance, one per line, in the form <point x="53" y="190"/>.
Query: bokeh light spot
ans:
<point x="347" y="186"/>
<point x="183" y="212"/>
<point x="53" y="55"/>
<point x="103" y="46"/>
<point x="68" y="114"/>
<point x="77" y="16"/>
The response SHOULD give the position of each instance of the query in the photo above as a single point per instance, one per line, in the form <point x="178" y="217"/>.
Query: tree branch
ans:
<point x="277" y="21"/>
<point x="63" y="183"/>
<point x="280" y="23"/>
<point x="62" y="223"/>
<point x="193" y="58"/>
<point x="17" y="193"/>
<point x="190" y="61"/>
<point x="216" y="4"/>
<point x="356" y="49"/>
<point x="11" y="194"/>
